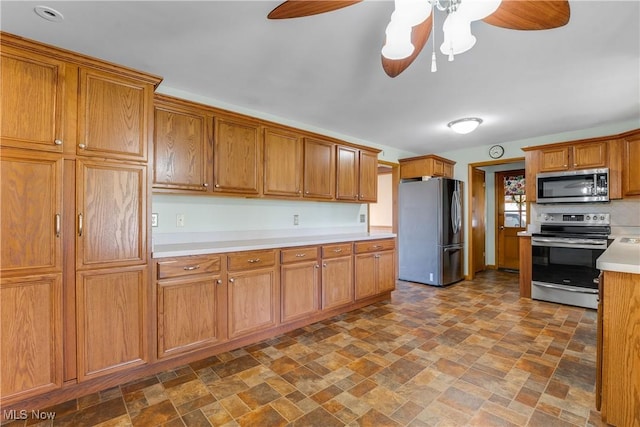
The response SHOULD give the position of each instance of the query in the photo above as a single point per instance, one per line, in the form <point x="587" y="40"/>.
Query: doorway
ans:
<point x="511" y="217"/>
<point x="383" y="214"/>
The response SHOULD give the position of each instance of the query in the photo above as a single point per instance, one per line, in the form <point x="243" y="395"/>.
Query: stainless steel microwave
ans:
<point x="580" y="186"/>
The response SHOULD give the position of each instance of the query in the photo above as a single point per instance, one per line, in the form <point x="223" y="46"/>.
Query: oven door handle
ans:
<point x="561" y="243"/>
<point x="563" y="288"/>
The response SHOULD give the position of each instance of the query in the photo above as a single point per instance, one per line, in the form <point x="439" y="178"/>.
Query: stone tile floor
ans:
<point x="471" y="354"/>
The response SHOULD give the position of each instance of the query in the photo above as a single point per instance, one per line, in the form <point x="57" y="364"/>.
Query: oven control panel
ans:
<point x="577" y="219"/>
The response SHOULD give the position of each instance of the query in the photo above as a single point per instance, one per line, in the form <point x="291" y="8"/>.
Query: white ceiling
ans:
<point x="324" y="71"/>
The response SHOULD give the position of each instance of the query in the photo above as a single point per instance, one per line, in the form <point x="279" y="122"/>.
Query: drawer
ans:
<point x="251" y="259"/>
<point x="337" y="250"/>
<point x="288" y="256"/>
<point x="189" y="265"/>
<point x="375" y="245"/>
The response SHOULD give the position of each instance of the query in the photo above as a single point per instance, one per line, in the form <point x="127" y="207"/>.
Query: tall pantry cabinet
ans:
<point x="74" y="147"/>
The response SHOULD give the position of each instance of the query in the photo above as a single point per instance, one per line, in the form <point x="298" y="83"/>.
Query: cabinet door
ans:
<point x="347" y="173"/>
<point x="32" y="85"/>
<point x="236" y="156"/>
<point x="448" y="170"/>
<point x="386" y="271"/>
<point x="630" y="169"/>
<point x="30" y="212"/>
<point x="111" y="320"/>
<point x="590" y="155"/>
<point x="252" y="301"/>
<point x="181" y="149"/>
<point x="282" y="163"/>
<point x="368" y="181"/>
<point x="366" y="275"/>
<point x="31" y="331"/>
<point x="113" y="116"/>
<point x="300" y="290"/>
<point x="319" y="169"/>
<point x="554" y="159"/>
<point x="111" y="217"/>
<point x="337" y="282"/>
<point x="188" y="314"/>
<point x="437" y="168"/>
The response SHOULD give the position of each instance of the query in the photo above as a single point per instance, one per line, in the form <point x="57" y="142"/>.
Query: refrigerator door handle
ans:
<point x="454" y="249"/>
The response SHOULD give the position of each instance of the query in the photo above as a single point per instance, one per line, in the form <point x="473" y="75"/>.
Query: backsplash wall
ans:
<point x="237" y="218"/>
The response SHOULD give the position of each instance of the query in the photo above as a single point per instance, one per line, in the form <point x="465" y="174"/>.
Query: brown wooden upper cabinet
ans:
<point x="368" y="178"/>
<point x="630" y="169"/>
<point x="237" y="156"/>
<point x="429" y="165"/>
<point x="113" y="116"/>
<point x="586" y="155"/>
<point x="182" y="146"/>
<point x="33" y="85"/>
<point x="283" y="153"/>
<point x="356" y="174"/>
<point x="319" y="168"/>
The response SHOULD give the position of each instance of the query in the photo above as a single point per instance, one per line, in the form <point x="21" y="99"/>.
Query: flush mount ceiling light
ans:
<point x="464" y="126"/>
<point x="48" y="13"/>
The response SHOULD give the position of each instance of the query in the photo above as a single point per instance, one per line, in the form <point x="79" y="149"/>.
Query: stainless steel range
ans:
<point x="564" y="258"/>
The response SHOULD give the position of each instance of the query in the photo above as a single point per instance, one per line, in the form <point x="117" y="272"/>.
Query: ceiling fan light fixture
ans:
<point x="398" y="44"/>
<point x="475" y="10"/>
<point x="465" y="125"/>
<point x="457" y="35"/>
<point x="411" y="12"/>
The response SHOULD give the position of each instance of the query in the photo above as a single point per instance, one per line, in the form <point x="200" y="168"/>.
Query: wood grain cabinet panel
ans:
<point x="554" y="159"/>
<point x="31" y="334"/>
<point x="590" y="155"/>
<point x="368" y="177"/>
<point x="428" y="165"/>
<point x="319" y="169"/>
<point x="30" y="212"/>
<point x="113" y="116"/>
<point x="252" y="303"/>
<point x="111" y="217"/>
<point x="112" y="320"/>
<point x="299" y="283"/>
<point x="337" y="275"/>
<point x="347" y="173"/>
<point x="283" y="154"/>
<point x="32" y="86"/>
<point x="630" y="169"/>
<point x="188" y="314"/>
<point x="182" y="148"/>
<point x="375" y="268"/>
<point x="237" y="157"/>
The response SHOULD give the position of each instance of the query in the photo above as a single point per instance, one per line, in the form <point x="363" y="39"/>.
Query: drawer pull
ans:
<point x="253" y="261"/>
<point x="300" y="255"/>
<point x="193" y="267"/>
<point x="376" y="256"/>
<point x="232" y="280"/>
<point x="376" y="246"/>
<point x="219" y="281"/>
<point x="337" y="251"/>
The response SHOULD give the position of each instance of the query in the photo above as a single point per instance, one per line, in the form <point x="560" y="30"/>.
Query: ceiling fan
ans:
<point x="412" y="23"/>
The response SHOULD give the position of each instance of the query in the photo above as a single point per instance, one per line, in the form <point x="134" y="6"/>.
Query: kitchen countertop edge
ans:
<point x="620" y="257"/>
<point x="206" y="248"/>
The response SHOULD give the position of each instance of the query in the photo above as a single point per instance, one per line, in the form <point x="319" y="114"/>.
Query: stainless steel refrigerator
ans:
<point x="430" y="234"/>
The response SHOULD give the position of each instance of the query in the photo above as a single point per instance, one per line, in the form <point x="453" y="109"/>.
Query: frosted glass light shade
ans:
<point x="398" y="44"/>
<point x="465" y="126"/>
<point x="457" y="35"/>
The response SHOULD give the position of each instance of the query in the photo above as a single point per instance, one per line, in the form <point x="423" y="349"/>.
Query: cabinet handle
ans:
<point x="300" y="255"/>
<point x="80" y="225"/>
<point x="82" y="146"/>
<point x="191" y="268"/>
<point x="219" y="281"/>
<point x="232" y="280"/>
<point x="58" y="225"/>
<point x="317" y="266"/>
<point x="337" y="251"/>
<point x="324" y="264"/>
<point x="58" y="142"/>
<point x="565" y="166"/>
<point x="217" y="186"/>
<point x="205" y="185"/>
<point x="306" y="192"/>
<point x="376" y="246"/>
<point x="299" y="191"/>
<point x="376" y="256"/>
<point x="253" y="261"/>
<point x="575" y="165"/>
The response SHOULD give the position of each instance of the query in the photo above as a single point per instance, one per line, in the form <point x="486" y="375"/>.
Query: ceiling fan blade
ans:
<point x="419" y="36"/>
<point x="530" y="14"/>
<point x="300" y="8"/>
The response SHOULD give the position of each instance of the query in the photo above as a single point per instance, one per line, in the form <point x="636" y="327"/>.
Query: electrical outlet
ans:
<point x="363" y="218"/>
<point x="296" y="219"/>
<point x="180" y="220"/>
<point x="154" y="219"/>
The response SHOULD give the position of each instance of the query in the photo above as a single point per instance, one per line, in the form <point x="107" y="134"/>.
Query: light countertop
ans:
<point x="623" y="255"/>
<point x="202" y="248"/>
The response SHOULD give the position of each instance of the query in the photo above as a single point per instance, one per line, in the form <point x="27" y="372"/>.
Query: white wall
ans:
<point x="381" y="213"/>
<point x="513" y="149"/>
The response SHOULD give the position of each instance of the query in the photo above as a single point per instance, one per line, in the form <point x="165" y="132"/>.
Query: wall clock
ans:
<point x="496" y="151"/>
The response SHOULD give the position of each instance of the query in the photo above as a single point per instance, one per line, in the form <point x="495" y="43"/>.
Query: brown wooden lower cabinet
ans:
<point x="337" y="275"/>
<point x="299" y="283"/>
<point x="525" y="260"/>
<point x="111" y="320"/>
<point x="618" y="370"/>
<point x="375" y="268"/>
